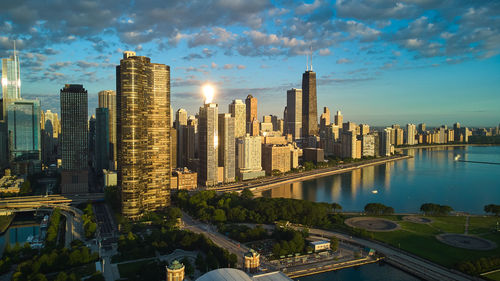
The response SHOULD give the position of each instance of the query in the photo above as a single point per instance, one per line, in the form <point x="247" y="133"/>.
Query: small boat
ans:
<point x="45" y="221"/>
<point x="374" y="191"/>
<point x="457" y="157"/>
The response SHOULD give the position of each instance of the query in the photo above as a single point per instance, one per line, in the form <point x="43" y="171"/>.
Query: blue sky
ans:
<point x="379" y="62"/>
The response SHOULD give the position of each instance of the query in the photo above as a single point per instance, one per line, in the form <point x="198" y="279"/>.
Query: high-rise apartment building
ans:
<point x="74" y="139"/>
<point x="309" y="104"/>
<point x="143" y="122"/>
<point x="385" y="142"/>
<point x="349" y="144"/>
<point x="24" y="136"/>
<point x="209" y="144"/>
<point x="294" y="113"/>
<point x="368" y="145"/>
<point x="364" y="129"/>
<point x="251" y="114"/>
<point x="181" y="117"/>
<point x="102" y="143"/>
<point x="249" y="157"/>
<point x="107" y="99"/>
<point x="238" y="110"/>
<point x="421" y="128"/>
<point x="411" y="131"/>
<point x="227" y="144"/>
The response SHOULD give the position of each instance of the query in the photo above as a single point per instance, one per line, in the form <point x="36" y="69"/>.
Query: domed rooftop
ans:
<point x="225" y="274"/>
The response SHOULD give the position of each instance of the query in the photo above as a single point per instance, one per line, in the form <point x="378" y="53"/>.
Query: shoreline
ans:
<point x="441" y="145"/>
<point x="321" y="174"/>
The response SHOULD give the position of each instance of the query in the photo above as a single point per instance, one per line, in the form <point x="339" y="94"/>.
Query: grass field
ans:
<point x="493" y="276"/>
<point x="129" y="270"/>
<point x="420" y="239"/>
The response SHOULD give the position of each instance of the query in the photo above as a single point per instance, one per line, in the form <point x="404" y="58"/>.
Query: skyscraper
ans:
<point x="294" y="113"/>
<point x="11" y="81"/>
<point x="102" y="139"/>
<point x="238" y="110"/>
<point x="251" y="113"/>
<point x="309" y="104"/>
<point x="24" y="136"/>
<point x="411" y="131"/>
<point x="324" y="119"/>
<point x="11" y="91"/>
<point x="107" y="99"/>
<point x="74" y="139"/>
<point x="339" y="119"/>
<point x="227" y="144"/>
<point x="143" y="122"/>
<point x="50" y="138"/>
<point x="209" y="144"/>
<point x="180" y="125"/>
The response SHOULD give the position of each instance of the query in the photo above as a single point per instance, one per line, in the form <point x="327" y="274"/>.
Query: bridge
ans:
<point x="57" y="200"/>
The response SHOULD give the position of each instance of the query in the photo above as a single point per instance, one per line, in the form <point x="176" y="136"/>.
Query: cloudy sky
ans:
<point x="379" y="61"/>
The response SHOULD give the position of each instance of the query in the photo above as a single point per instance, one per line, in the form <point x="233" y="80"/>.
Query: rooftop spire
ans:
<point x="307" y="61"/>
<point x="311" y="58"/>
<point x="14" y="47"/>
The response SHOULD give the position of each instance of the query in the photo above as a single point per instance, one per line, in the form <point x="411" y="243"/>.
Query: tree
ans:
<point x="493" y="209"/>
<point x="220" y="215"/>
<point x="336" y="206"/>
<point x="334" y="243"/>
<point x="246" y="193"/>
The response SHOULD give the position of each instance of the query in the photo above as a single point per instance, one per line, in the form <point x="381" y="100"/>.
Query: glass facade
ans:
<point x="24" y="131"/>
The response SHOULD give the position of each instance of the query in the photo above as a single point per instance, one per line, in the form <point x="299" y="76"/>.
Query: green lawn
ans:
<point x="493" y="276"/>
<point x="129" y="270"/>
<point x="420" y="238"/>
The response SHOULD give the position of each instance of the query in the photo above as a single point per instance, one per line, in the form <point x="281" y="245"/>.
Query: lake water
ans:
<point x="372" y="272"/>
<point x="432" y="176"/>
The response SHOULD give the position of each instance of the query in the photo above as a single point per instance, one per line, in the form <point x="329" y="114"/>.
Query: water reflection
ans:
<point x="431" y="176"/>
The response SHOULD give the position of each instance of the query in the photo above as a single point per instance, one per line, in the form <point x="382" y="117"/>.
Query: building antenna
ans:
<point x="14" y="47"/>
<point x="307" y="61"/>
<point x="311" y="58"/>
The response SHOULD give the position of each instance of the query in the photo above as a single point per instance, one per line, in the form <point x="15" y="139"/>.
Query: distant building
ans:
<point x="209" y="145"/>
<point x="107" y="99"/>
<point x="385" y="142"/>
<point x="294" y="113"/>
<point x="309" y="104"/>
<point x="421" y="128"/>
<point x="24" y="136"/>
<point x="173" y="148"/>
<point x="368" y="145"/>
<point x="249" y="157"/>
<point x="102" y="143"/>
<point x="227" y="143"/>
<point x="251" y="115"/>
<point x="348" y="141"/>
<point x="339" y="119"/>
<point x="411" y="131"/>
<point x="74" y="139"/>
<point x="276" y="157"/>
<point x="184" y="179"/>
<point x="364" y="129"/>
<point x="180" y="125"/>
<point x="238" y="110"/>
<point x="175" y="271"/>
<point x="315" y="155"/>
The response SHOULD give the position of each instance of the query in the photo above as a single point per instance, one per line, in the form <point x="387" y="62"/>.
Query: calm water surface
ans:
<point x="431" y="176"/>
<point x="369" y="272"/>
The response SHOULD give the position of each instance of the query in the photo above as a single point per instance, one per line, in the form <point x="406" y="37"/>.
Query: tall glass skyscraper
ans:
<point x="24" y="136"/>
<point x="11" y="80"/>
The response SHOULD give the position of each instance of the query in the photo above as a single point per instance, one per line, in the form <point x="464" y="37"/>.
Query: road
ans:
<point x="423" y="268"/>
<point x="74" y="227"/>
<point x="220" y="240"/>
<point x="50" y="200"/>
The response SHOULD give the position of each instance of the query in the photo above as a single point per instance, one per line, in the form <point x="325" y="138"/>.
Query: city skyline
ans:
<point x="420" y="62"/>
